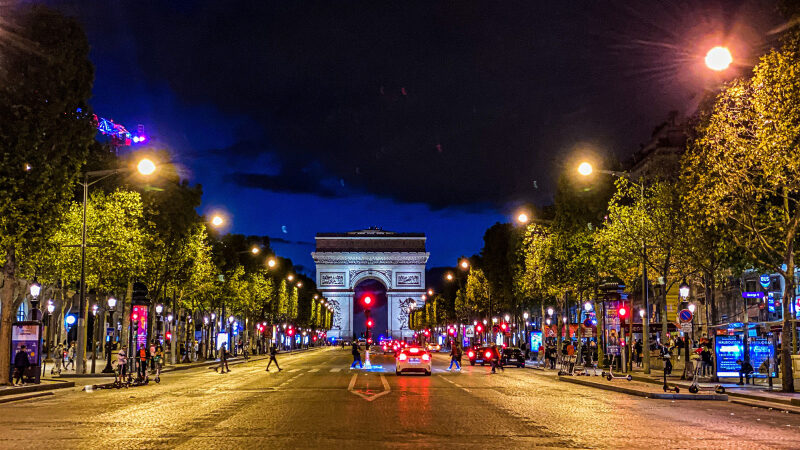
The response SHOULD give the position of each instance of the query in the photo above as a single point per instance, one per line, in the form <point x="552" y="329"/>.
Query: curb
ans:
<point x="15" y="398"/>
<point x="766" y="405"/>
<point x="51" y="385"/>
<point x="176" y="367"/>
<point x="636" y="392"/>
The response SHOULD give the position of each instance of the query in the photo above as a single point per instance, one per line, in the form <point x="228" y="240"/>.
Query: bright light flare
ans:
<point x="146" y="167"/>
<point x="585" y="169"/>
<point x="718" y="58"/>
<point x="217" y="221"/>
<point x="523" y="218"/>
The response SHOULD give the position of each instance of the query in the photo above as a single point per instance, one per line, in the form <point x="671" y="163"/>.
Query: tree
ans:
<point x="745" y="165"/>
<point x="45" y="131"/>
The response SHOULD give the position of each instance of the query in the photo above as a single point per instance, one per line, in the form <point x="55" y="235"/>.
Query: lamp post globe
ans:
<point x="550" y="311"/>
<point x="585" y="169"/>
<point x="718" y="58"/>
<point x="146" y="167"/>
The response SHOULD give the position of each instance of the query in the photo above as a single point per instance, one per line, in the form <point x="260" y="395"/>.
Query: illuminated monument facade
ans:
<point x="387" y="266"/>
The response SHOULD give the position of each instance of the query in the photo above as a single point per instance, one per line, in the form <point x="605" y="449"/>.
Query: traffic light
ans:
<point x="168" y="335"/>
<point x="504" y="327"/>
<point x="370" y="323"/>
<point x="479" y="328"/>
<point x="367" y="300"/>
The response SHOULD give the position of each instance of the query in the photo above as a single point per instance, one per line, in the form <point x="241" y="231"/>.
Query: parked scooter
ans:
<point x="610" y="374"/>
<point x="695" y="387"/>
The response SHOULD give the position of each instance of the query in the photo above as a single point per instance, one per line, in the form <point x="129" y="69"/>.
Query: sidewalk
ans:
<point x="757" y="395"/>
<point x="100" y="364"/>
<point x="28" y="391"/>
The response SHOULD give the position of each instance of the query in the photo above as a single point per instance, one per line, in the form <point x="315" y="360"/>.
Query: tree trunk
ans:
<point x="7" y="316"/>
<point x="787" y="382"/>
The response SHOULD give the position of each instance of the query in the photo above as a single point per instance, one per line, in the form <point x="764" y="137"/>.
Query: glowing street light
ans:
<point x="290" y="277"/>
<point x="430" y="292"/>
<point x="585" y="169"/>
<point x="271" y="262"/>
<point x="146" y="167"/>
<point x="507" y="318"/>
<point x="217" y="220"/>
<point x="718" y="58"/>
<point x="684" y="290"/>
<point x="550" y="311"/>
<point x="692" y="307"/>
<point x="464" y="264"/>
<point x="255" y="250"/>
<point x="523" y="218"/>
<point x="449" y="277"/>
<point x="587" y="306"/>
<point x="299" y="284"/>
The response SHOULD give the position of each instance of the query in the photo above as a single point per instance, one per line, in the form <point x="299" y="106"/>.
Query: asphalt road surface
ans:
<point x="317" y="402"/>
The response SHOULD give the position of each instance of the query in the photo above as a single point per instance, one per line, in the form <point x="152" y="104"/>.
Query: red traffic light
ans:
<point x="367" y="300"/>
<point x="370" y="323"/>
<point x="623" y="312"/>
<point x="504" y="326"/>
<point x="168" y="335"/>
<point x="479" y="328"/>
<point x="290" y="332"/>
<point x="427" y="333"/>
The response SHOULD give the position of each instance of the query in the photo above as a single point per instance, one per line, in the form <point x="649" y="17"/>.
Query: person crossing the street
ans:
<point x="496" y="359"/>
<point x="356" y="357"/>
<point x="273" y="350"/>
<point x="455" y="356"/>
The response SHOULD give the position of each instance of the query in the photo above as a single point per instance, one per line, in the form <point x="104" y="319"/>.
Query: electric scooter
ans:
<point x="610" y="374"/>
<point x="694" y="388"/>
<point x="666" y="387"/>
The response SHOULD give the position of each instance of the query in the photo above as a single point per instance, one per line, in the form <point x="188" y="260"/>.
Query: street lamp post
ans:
<point x="586" y="169"/>
<point x="145" y="167"/>
<point x="112" y="303"/>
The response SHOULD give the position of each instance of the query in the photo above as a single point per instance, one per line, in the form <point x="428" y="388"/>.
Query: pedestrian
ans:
<point x="745" y="371"/>
<point x="223" y="360"/>
<point x="705" y="357"/>
<point x="122" y="361"/>
<point x="152" y="355"/>
<point x="21" y="363"/>
<point x="144" y="355"/>
<point x="70" y="357"/>
<point x="356" y="357"/>
<point x="455" y="356"/>
<point x="496" y="359"/>
<point x="637" y="348"/>
<point x="273" y="350"/>
<point x="58" y="358"/>
<point x="667" y="356"/>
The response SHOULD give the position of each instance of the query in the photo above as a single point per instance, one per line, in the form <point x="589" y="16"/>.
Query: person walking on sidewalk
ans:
<point x="21" y="363"/>
<point x="273" y="350"/>
<point x="223" y="360"/>
<point x="455" y="356"/>
<point x="70" y="357"/>
<point x="122" y="362"/>
<point x="144" y="355"/>
<point x="356" y="357"/>
<point x="58" y="358"/>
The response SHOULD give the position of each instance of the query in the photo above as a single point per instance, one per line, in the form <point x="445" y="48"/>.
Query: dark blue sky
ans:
<point x="300" y="117"/>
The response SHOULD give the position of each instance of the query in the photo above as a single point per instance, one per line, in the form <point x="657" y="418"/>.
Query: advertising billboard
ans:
<point x="729" y="350"/>
<point x="139" y="320"/>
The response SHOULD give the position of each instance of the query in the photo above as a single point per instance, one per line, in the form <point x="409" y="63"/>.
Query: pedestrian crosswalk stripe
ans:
<point x="313" y="370"/>
<point x="293" y="370"/>
<point x="336" y="369"/>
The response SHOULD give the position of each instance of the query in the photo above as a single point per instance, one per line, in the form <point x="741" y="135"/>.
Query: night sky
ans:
<point x="440" y="117"/>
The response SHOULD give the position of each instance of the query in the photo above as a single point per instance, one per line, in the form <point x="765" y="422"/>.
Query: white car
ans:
<point x="413" y="359"/>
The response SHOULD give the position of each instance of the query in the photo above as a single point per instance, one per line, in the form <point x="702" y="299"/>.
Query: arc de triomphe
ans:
<point x="344" y="261"/>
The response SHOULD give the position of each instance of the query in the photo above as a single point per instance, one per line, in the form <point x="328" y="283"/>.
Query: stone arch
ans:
<point x="382" y="276"/>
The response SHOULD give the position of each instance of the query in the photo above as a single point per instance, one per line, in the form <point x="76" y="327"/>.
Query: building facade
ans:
<point x="389" y="266"/>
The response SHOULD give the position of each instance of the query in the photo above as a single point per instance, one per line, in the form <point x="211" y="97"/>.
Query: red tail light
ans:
<point x="402" y="357"/>
<point x="488" y="354"/>
<point x="471" y="354"/>
<point x="426" y="357"/>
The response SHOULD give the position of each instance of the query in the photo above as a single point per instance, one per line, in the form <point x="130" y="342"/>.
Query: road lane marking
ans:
<point x="313" y="370"/>
<point x="336" y="369"/>
<point x="369" y="397"/>
<point x="292" y="370"/>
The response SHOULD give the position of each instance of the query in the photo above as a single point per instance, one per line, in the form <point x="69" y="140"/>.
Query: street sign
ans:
<point x="685" y="315"/>
<point x="470" y="331"/>
<point x="686" y="327"/>
<point x="764" y="280"/>
<point x="753" y="294"/>
<point x="589" y="322"/>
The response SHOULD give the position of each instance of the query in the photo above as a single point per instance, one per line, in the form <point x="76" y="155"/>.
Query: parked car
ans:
<point x="512" y="356"/>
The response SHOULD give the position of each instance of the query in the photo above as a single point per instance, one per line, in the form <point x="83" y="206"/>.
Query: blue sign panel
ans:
<point x="764" y="280"/>
<point x="536" y="340"/>
<point x="729" y="350"/>
<point x="761" y="352"/>
<point x="752" y="294"/>
<point x="685" y="315"/>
